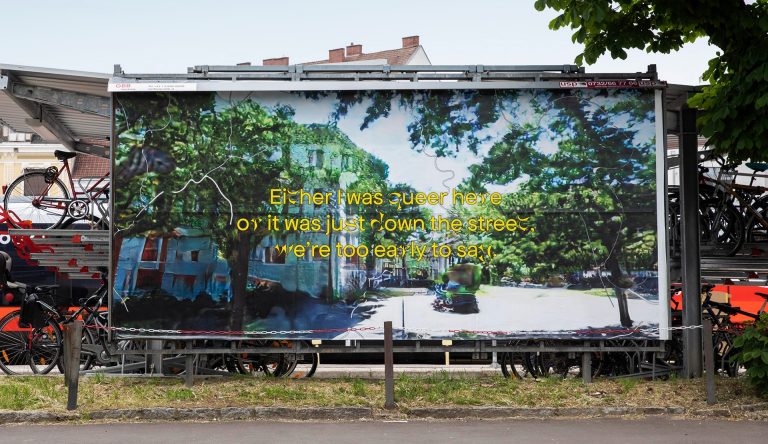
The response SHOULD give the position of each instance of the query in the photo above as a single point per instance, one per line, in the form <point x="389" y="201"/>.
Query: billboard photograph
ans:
<point x="453" y="213"/>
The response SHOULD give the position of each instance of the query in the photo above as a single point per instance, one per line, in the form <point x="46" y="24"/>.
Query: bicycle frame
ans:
<point x="733" y="192"/>
<point x="90" y="194"/>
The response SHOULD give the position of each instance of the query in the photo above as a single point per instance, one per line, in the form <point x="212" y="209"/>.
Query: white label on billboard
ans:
<point x="154" y="86"/>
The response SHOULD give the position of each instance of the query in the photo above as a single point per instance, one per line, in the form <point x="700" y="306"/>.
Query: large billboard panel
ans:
<point x="453" y="213"/>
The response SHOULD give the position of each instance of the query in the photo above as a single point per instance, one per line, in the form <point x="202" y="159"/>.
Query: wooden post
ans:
<point x="73" y="337"/>
<point x="189" y="365"/>
<point x="389" y="368"/>
<point x="586" y="365"/>
<point x="709" y="361"/>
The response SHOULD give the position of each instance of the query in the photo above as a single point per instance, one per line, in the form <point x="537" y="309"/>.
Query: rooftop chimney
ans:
<point x="354" y="50"/>
<point x="336" y="55"/>
<point x="410" y="41"/>
<point x="279" y="61"/>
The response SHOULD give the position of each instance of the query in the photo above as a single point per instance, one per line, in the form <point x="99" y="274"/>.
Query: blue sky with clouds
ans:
<point x="388" y="138"/>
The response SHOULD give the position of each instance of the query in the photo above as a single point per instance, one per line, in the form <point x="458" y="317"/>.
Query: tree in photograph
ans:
<point x="735" y="102"/>
<point x="597" y="174"/>
<point x="225" y="164"/>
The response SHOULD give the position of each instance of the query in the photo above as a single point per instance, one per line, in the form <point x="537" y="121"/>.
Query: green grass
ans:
<point x="182" y="394"/>
<point x="440" y="389"/>
<point x="15" y="397"/>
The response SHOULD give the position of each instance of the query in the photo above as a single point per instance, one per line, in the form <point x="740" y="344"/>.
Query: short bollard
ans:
<point x="189" y="366"/>
<point x="73" y="334"/>
<point x="709" y="361"/>
<point x="389" y="368"/>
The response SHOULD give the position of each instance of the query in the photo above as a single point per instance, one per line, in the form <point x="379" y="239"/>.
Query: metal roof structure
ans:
<point x="73" y="107"/>
<point x="68" y="107"/>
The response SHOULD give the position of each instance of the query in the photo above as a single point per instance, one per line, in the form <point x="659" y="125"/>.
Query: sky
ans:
<point x="388" y="138"/>
<point x="154" y="36"/>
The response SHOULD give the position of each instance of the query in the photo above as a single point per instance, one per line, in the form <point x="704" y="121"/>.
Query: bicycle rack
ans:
<point x="77" y="254"/>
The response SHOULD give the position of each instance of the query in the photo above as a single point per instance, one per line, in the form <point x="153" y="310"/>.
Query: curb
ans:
<point x="236" y="413"/>
<point x="363" y="413"/>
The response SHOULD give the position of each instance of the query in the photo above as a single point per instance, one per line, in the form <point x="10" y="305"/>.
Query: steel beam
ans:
<point x="85" y="103"/>
<point x="691" y="267"/>
<point x="43" y="123"/>
<point x="96" y="150"/>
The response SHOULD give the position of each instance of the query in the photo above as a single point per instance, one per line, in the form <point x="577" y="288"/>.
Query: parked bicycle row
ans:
<point x="32" y="337"/>
<point x="730" y="213"/>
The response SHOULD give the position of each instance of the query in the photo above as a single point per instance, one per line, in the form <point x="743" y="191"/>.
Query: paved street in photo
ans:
<point x="507" y="309"/>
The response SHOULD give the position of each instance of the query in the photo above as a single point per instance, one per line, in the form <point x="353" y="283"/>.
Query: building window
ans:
<point x="148" y="279"/>
<point x="151" y="249"/>
<point x="319" y="159"/>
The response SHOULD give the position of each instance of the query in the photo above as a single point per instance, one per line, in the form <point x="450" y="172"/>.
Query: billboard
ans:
<point x="471" y="212"/>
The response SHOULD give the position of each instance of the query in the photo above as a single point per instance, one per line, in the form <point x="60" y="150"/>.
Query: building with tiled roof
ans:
<point x="411" y="53"/>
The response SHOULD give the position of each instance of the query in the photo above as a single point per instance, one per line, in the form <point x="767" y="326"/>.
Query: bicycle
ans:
<point x="724" y="330"/>
<point x="33" y="335"/>
<point x="41" y="197"/>
<point x="739" y="212"/>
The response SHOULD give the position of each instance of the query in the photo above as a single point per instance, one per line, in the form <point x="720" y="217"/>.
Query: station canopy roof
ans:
<point x="68" y="107"/>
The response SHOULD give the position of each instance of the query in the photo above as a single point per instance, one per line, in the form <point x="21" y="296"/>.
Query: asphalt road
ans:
<point x="594" y="431"/>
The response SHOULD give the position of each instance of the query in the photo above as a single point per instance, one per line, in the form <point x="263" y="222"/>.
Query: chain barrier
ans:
<point x="228" y="332"/>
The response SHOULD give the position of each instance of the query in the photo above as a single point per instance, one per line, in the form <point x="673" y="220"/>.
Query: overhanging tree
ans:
<point x="735" y="103"/>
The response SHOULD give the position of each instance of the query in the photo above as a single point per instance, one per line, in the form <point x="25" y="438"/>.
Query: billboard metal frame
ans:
<point x="405" y="77"/>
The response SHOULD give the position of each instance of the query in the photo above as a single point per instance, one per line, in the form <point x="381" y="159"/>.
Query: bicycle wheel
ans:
<point x="39" y="348"/>
<point x="89" y="222"/>
<point x="306" y="364"/>
<point x="756" y="231"/>
<point x="87" y="350"/>
<point x="722" y="228"/>
<point x="30" y="198"/>
<point x="509" y="363"/>
<point x="12" y="345"/>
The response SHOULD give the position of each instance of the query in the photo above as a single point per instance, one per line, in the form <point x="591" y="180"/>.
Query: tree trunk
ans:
<point x="239" y="278"/>
<point x="617" y="277"/>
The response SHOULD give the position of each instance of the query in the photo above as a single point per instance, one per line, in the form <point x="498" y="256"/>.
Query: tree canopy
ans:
<point x="735" y="103"/>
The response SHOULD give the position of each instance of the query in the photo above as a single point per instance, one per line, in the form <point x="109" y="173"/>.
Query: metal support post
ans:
<point x="73" y="334"/>
<point x="691" y="266"/>
<point x="709" y="360"/>
<point x="389" y="370"/>
<point x="155" y="359"/>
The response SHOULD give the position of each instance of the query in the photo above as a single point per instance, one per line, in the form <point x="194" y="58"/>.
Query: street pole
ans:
<point x="691" y="265"/>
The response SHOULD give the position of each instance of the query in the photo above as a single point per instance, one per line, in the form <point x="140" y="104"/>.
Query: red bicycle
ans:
<point x="40" y="197"/>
